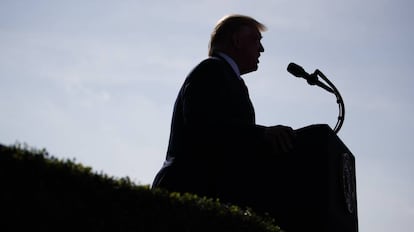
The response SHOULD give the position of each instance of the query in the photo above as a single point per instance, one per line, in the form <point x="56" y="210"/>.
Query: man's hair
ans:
<point x="226" y="27"/>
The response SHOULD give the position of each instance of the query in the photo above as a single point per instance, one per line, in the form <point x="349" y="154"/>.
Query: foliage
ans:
<point x="42" y="193"/>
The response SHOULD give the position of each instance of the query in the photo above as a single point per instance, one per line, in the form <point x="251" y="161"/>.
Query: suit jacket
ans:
<point x="214" y="137"/>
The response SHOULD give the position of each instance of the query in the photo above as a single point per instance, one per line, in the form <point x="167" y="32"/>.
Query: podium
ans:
<point x="315" y="185"/>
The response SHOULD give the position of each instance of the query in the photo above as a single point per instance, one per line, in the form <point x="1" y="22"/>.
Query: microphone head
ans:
<point x="297" y="70"/>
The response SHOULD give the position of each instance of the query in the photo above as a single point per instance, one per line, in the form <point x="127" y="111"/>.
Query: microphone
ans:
<point x="298" y="71"/>
<point x="312" y="79"/>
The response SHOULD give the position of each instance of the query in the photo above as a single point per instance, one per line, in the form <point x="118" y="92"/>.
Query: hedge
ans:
<point x="42" y="193"/>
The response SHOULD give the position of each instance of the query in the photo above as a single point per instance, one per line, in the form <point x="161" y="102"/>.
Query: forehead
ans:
<point x="250" y="31"/>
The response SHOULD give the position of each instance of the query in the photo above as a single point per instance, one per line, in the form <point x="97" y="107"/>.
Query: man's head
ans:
<point x="239" y="37"/>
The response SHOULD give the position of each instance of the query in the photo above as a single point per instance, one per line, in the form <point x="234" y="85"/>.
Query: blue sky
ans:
<point x="96" y="81"/>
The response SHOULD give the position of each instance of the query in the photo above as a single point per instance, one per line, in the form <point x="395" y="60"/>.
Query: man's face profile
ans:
<point x="249" y="48"/>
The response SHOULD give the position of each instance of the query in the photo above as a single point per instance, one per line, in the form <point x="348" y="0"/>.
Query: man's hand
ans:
<point x="280" y="138"/>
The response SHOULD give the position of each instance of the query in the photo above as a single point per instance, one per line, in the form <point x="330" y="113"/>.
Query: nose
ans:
<point x="261" y="48"/>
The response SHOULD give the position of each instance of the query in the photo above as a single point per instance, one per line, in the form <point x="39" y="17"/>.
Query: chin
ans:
<point x="255" y="68"/>
<point x="249" y="70"/>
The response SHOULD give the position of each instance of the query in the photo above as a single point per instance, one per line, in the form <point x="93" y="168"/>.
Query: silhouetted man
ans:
<point x="216" y="149"/>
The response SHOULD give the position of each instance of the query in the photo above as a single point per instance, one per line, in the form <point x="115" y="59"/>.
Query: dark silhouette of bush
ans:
<point x="42" y="193"/>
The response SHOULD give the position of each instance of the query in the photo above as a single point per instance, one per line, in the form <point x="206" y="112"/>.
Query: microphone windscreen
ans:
<point x="296" y="70"/>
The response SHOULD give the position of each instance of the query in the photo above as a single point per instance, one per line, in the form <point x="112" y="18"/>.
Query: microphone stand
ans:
<point x="331" y="89"/>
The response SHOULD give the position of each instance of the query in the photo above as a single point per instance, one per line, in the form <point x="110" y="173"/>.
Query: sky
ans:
<point x="95" y="81"/>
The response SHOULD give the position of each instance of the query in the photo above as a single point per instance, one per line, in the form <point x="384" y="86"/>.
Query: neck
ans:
<point x="230" y="61"/>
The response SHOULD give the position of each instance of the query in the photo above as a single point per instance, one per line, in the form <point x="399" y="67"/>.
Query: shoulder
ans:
<point x="211" y="64"/>
<point x="210" y="74"/>
<point x="210" y="69"/>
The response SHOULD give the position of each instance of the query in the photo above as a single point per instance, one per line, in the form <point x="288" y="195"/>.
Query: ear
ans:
<point x="236" y="40"/>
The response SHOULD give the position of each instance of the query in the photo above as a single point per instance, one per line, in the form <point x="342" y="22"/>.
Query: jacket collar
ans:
<point x="229" y="61"/>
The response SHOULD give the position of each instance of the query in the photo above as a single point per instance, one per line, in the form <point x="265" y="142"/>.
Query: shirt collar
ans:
<point x="231" y="62"/>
